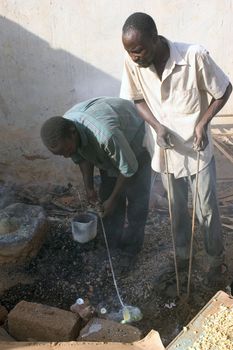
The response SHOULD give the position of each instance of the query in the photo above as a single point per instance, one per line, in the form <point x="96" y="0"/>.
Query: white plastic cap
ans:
<point x="79" y="301"/>
<point x="103" y="310"/>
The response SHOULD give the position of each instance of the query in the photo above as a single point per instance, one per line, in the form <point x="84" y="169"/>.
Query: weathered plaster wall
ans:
<point x="55" y="53"/>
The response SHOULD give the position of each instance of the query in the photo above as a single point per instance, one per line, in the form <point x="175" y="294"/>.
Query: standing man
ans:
<point x="108" y="133"/>
<point x="170" y="84"/>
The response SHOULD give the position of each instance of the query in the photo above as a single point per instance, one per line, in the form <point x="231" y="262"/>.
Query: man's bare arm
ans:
<point x="110" y="203"/>
<point x="200" y="135"/>
<point x="163" y="134"/>
<point x="87" y="170"/>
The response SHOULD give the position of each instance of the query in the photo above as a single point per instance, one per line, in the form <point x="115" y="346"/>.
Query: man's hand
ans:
<point x="108" y="206"/>
<point x="92" y="196"/>
<point x="200" y="138"/>
<point x="164" y="137"/>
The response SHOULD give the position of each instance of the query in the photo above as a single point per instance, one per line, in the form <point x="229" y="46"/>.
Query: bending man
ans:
<point x="108" y="133"/>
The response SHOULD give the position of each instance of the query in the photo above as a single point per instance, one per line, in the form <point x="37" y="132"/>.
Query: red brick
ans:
<point x="4" y="336"/>
<point x="3" y="314"/>
<point x="101" y="330"/>
<point x="42" y="322"/>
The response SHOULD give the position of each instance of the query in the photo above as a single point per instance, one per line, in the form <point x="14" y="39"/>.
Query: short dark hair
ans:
<point x="141" y="22"/>
<point x="55" y="130"/>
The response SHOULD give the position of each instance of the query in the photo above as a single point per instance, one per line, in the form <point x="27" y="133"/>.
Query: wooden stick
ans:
<point x="193" y="224"/>
<point x="172" y="227"/>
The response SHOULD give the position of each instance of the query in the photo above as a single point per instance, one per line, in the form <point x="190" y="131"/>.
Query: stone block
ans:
<point x="23" y="228"/>
<point x="102" y="330"/>
<point x="4" y="336"/>
<point x="42" y="323"/>
<point x="3" y="314"/>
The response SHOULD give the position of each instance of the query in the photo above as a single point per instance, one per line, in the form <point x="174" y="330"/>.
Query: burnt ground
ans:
<point x="64" y="269"/>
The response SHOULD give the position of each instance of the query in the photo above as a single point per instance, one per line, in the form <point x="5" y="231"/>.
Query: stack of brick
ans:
<point x="36" y="322"/>
<point x="32" y="321"/>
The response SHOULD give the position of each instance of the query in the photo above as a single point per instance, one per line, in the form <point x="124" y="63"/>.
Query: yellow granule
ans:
<point x="217" y="331"/>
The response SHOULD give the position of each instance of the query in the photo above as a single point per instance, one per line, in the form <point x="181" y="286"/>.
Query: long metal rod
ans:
<point x="108" y="252"/>
<point x="193" y="224"/>
<point x="171" y="222"/>
<point x="110" y="263"/>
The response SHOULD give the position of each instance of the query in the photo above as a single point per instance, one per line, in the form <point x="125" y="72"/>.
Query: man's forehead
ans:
<point x="133" y="38"/>
<point x="133" y="33"/>
<point x="136" y="36"/>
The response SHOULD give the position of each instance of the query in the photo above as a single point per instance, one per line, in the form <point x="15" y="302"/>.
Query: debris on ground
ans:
<point x="65" y="270"/>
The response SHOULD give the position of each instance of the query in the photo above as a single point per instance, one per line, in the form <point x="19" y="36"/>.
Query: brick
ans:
<point x="4" y="336"/>
<point x="42" y="323"/>
<point x="3" y="314"/>
<point x="102" y="330"/>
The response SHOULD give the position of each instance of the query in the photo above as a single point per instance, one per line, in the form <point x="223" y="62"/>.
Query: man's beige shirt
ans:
<point x="189" y="80"/>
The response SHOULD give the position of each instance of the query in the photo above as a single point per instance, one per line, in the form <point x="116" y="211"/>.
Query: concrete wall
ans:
<point x="55" y="53"/>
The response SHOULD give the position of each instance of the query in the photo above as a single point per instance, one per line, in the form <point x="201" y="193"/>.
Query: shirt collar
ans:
<point x="77" y="156"/>
<point x="82" y="134"/>
<point x="175" y="58"/>
<point x="175" y="55"/>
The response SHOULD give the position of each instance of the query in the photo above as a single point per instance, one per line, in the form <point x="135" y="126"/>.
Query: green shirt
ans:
<point x="111" y="133"/>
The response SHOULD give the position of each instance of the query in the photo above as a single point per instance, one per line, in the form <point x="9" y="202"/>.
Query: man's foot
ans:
<point x="182" y="264"/>
<point x="125" y="263"/>
<point x="215" y="275"/>
<point x="167" y="283"/>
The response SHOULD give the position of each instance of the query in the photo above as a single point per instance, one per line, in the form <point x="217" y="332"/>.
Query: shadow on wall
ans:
<point x="37" y="82"/>
<point x="37" y="79"/>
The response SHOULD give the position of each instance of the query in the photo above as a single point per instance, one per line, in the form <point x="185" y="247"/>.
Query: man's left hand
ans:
<point x="200" y="138"/>
<point x="108" y="206"/>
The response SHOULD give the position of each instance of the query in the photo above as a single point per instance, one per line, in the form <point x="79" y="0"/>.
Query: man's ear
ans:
<point x="74" y="134"/>
<point x="73" y="131"/>
<point x="155" y="38"/>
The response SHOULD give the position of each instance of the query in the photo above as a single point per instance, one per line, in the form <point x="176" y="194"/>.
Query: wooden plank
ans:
<point x="225" y="196"/>
<point x="151" y="342"/>
<point x="227" y="134"/>
<point x="222" y="150"/>
<point x="193" y="330"/>
<point x="230" y="227"/>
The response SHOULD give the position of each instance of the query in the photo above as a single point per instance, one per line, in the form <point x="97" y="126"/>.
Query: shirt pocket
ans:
<point x="185" y="101"/>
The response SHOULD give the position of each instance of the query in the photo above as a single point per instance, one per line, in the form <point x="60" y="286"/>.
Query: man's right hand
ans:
<point x="163" y="133"/>
<point x="92" y="196"/>
<point x="108" y="206"/>
<point x="163" y="137"/>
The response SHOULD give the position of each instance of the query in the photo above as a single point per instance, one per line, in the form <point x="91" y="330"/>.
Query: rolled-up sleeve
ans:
<point x="130" y="89"/>
<point x="77" y="158"/>
<point x="211" y="78"/>
<point x="121" y="154"/>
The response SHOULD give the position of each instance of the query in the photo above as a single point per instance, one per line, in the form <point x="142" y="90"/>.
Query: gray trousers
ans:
<point x="206" y="209"/>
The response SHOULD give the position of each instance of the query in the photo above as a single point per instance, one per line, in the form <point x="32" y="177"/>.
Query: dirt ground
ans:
<point x="65" y="270"/>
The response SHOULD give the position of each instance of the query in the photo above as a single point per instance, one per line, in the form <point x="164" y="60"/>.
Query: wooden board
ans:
<point x="193" y="330"/>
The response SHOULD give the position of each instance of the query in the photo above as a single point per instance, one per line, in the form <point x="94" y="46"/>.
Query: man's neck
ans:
<point x="162" y="56"/>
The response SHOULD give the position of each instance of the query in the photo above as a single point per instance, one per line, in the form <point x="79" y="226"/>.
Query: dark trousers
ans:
<point x="133" y="204"/>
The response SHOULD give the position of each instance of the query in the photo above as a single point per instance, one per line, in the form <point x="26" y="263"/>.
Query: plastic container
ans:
<point x="82" y="307"/>
<point x="131" y="314"/>
<point x="84" y="227"/>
